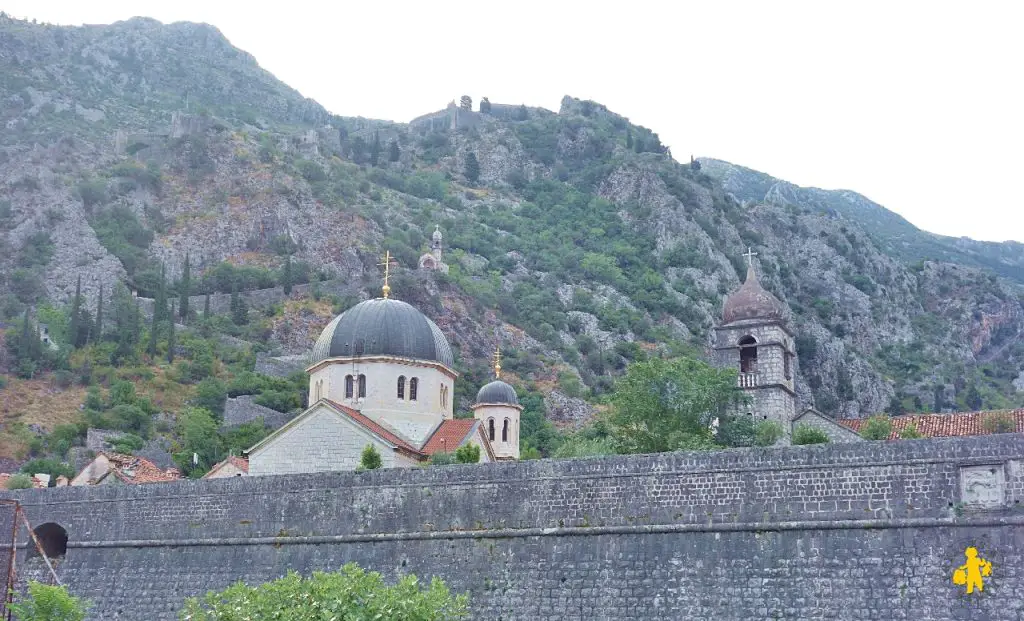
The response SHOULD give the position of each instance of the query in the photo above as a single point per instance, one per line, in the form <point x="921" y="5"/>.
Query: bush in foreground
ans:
<point x="350" y="593"/>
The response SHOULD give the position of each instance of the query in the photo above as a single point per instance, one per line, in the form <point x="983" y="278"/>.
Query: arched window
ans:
<point x="748" y="355"/>
<point x="444" y="396"/>
<point x="53" y="539"/>
<point x="362" y="385"/>
<point x="788" y="371"/>
<point x="504" y="431"/>
<point x="413" y="385"/>
<point x="318" y="390"/>
<point x="401" y="387"/>
<point x="490" y="429"/>
<point x="348" y="386"/>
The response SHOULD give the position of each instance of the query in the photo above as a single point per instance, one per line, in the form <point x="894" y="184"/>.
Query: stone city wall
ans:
<point x="872" y="530"/>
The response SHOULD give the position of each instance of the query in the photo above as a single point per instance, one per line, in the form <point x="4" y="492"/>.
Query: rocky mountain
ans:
<point x="573" y="238"/>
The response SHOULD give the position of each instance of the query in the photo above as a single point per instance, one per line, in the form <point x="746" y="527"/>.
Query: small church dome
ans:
<point x="497" y="392"/>
<point x="383" y="327"/>
<point x="751" y="301"/>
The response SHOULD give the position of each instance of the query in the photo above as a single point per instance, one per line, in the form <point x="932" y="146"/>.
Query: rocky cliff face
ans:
<point x="580" y="245"/>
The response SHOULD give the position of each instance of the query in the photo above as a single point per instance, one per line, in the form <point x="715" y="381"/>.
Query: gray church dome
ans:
<point x="751" y="301"/>
<point x="497" y="392"/>
<point x="383" y="327"/>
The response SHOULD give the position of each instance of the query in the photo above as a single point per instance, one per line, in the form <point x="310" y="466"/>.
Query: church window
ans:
<point x="413" y="385"/>
<point x="490" y="429"/>
<point x="789" y="372"/>
<point x="748" y="355"/>
<point x="401" y="387"/>
<point x="444" y="396"/>
<point x="504" y="431"/>
<point x="362" y="385"/>
<point x="348" y="386"/>
<point x="318" y="390"/>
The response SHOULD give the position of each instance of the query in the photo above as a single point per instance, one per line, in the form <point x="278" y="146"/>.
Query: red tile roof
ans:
<point x="449" y="435"/>
<point x="943" y="425"/>
<point x="135" y="470"/>
<point x="375" y="427"/>
<point x="238" y="462"/>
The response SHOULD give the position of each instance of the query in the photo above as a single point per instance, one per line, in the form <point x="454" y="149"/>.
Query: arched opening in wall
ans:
<point x="490" y="429"/>
<point x="53" y="539"/>
<point x="414" y="384"/>
<point x="348" y="386"/>
<point x="444" y="396"/>
<point x="788" y="370"/>
<point x="362" y="385"/>
<point x="504" y="431"/>
<point x="748" y="354"/>
<point x="401" y="387"/>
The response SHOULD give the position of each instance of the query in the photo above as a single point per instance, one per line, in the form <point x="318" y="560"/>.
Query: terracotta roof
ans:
<point x="449" y="435"/>
<point x="238" y="462"/>
<point x="375" y="427"/>
<point x="136" y="470"/>
<point x="942" y="425"/>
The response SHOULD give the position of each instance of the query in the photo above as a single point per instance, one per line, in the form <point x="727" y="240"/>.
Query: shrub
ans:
<point x="211" y="394"/>
<point x="998" y="422"/>
<point x="49" y="603"/>
<point x="19" y="481"/>
<point x="877" y="427"/>
<point x="442" y="459"/>
<point x="468" y="454"/>
<point x="350" y="593"/>
<point x="278" y="400"/>
<point x="910" y="432"/>
<point x="370" y="459"/>
<point x="767" y="433"/>
<point x="806" y="434"/>
<point x="51" y="467"/>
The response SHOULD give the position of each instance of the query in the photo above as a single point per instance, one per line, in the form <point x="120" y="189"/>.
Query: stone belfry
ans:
<point x="754" y="339"/>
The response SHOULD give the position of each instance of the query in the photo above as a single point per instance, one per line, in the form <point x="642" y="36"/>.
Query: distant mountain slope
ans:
<point x="893" y="232"/>
<point x="574" y="239"/>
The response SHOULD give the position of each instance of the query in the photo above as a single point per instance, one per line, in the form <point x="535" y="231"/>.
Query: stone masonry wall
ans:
<point x="857" y="531"/>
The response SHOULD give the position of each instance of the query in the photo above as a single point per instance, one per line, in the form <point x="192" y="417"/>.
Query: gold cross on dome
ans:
<point x="750" y="254"/>
<point x="497" y="362"/>
<point x="386" y="289"/>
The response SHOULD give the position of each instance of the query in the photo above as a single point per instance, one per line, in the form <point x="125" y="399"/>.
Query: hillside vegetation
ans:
<point x="574" y="240"/>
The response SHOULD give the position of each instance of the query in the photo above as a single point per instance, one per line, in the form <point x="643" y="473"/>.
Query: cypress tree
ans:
<point x="629" y="139"/>
<point x="99" y="316"/>
<point x="206" y="307"/>
<point x="137" y="322"/>
<point x="75" y="323"/>
<point x="472" y="167"/>
<point x="375" y="149"/>
<point x="394" y="153"/>
<point x="186" y="289"/>
<point x="239" y="310"/>
<point x="287" y="276"/>
<point x="170" y="342"/>
<point x="160" y="304"/>
<point x="153" y="333"/>
<point x="25" y="342"/>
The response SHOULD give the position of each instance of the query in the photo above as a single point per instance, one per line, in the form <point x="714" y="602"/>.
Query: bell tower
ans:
<point x="754" y="339"/>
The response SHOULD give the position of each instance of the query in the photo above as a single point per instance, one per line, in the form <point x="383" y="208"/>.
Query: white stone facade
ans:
<point x="413" y="419"/>
<point x="319" y="440"/>
<point x="500" y="424"/>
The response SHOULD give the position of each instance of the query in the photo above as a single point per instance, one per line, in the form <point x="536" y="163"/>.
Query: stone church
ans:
<point x="382" y="374"/>
<point x="755" y="339"/>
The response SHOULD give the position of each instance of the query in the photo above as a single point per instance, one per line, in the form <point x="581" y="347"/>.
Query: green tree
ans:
<point x="286" y="277"/>
<point x="210" y="395"/>
<point x="160" y="303"/>
<point x="239" y="309"/>
<point x="370" y="459"/>
<point x="767" y="433"/>
<point x="99" y="316"/>
<point x="201" y="445"/>
<point x="973" y="398"/>
<point x="735" y="430"/>
<point x="877" y="427"/>
<point x="394" y="153"/>
<point x="19" y="481"/>
<point x="375" y="149"/>
<point x="206" y="307"/>
<point x="808" y="434"/>
<point x="126" y="318"/>
<point x="468" y="454"/>
<point x="666" y="405"/>
<point x="578" y="445"/>
<point x="350" y="593"/>
<point x="472" y="167"/>
<point x="131" y="418"/>
<point x="75" y="321"/>
<point x="629" y="139"/>
<point x="154" y="333"/>
<point x="184" y="289"/>
<point x="49" y="603"/>
<point x="896" y="406"/>
<point x="522" y="113"/>
<point x="171" y="345"/>
<point x="52" y="467"/>
<point x="466" y="103"/>
<point x="442" y="458"/>
<point x="485" y="106"/>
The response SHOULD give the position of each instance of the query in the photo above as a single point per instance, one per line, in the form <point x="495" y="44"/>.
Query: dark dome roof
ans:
<point x="383" y="327"/>
<point x="497" y="392"/>
<point x="751" y="301"/>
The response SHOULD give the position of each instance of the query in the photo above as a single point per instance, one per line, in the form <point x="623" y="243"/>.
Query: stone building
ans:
<point x="755" y="339"/>
<point x="497" y="408"/>
<point x="432" y="260"/>
<point x="382" y="375"/>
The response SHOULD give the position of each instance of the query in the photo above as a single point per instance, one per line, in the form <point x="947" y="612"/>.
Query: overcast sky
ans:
<point x="918" y="106"/>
